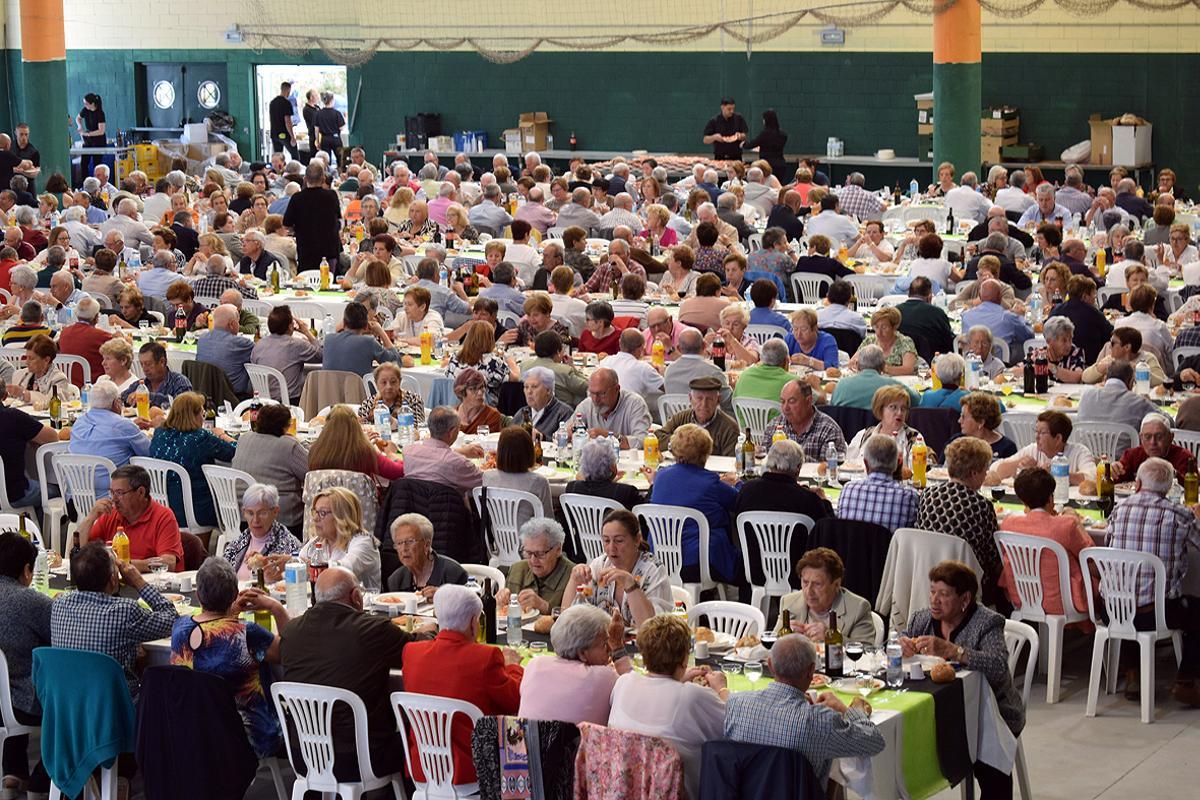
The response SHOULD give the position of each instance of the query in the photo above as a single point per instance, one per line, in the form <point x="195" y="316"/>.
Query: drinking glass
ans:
<point x="158" y="572"/>
<point x="483" y="431"/>
<point x="854" y="651"/>
<point x="731" y="667"/>
<point x="753" y="670"/>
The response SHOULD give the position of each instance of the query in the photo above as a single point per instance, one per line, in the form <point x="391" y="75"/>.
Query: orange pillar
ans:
<point x="957" y="84"/>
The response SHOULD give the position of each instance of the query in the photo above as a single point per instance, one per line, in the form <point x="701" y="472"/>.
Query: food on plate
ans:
<point x="1001" y="378"/>
<point x="829" y="387"/>
<point x="699" y="680"/>
<point x="833" y="372"/>
<point x="1160" y="391"/>
<point x="704" y="634"/>
<point x="1062" y="401"/>
<point x="819" y="680"/>
<point x="255" y="561"/>
<point x="942" y="673"/>
<point x="543" y="624"/>
<point x="749" y="640"/>
<point x="390" y="600"/>
<point x="319" y="419"/>
<point x="1088" y="487"/>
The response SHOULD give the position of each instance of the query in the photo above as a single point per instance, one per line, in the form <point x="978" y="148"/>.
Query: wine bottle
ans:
<point x="833" y="648"/>
<point x="1106" y="491"/>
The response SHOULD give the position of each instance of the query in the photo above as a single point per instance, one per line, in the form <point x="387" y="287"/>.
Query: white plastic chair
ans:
<point x="430" y="719"/>
<point x="664" y="524"/>
<point x="773" y="531"/>
<point x="12" y="522"/>
<point x="310" y="708"/>
<point x="724" y="616"/>
<point x="1021" y="428"/>
<point x="671" y="404"/>
<point x="208" y="300"/>
<point x="69" y="364"/>
<point x="999" y="347"/>
<point x="756" y="415"/>
<point x="223" y="541"/>
<point x="261" y="378"/>
<point x="245" y="405"/>
<point x="754" y="242"/>
<point x="54" y="509"/>
<point x="1189" y="440"/>
<point x="369" y="385"/>
<point x="504" y="509"/>
<point x="223" y="482"/>
<point x="760" y="334"/>
<point x="481" y="571"/>
<point x="308" y="310"/>
<point x="411" y="384"/>
<point x="1105" y="438"/>
<point x="880" y="630"/>
<point x="158" y="316"/>
<point x="312" y="277"/>
<point x="259" y="308"/>
<point x="1119" y="572"/>
<point x="6" y="502"/>
<point x="160" y="474"/>
<point x="585" y="517"/>
<point x="1180" y="353"/>
<point x="8" y="720"/>
<point x="869" y="288"/>
<point x="806" y="286"/>
<point x="13" y="355"/>
<point x="77" y="477"/>
<point x="1016" y="636"/>
<point x="508" y="319"/>
<point x="1024" y="556"/>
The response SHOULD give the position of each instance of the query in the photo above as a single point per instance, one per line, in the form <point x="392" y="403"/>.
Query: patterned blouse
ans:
<point x="526" y="334"/>
<point x="494" y="370"/>
<point x="956" y="509"/>
<point x="649" y="570"/>
<point x="903" y="345"/>
<point x="430" y="230"/>
<point x="602" y="278"/>
<point x="366" y="412"/>
<point x="280" y="541"/>
<point x="711" y="259"/>
<point x="1072" y="360"/>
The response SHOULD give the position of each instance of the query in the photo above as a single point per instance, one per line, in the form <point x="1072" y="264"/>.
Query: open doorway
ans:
<point x="303" y="77"/>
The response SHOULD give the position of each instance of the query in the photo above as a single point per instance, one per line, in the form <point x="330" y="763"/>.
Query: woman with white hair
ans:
<point x="265" y="539"/>
<point x="597" y="476"/>
<point x="540" y="580"/>
<point x="1066" y="358"/>
<point x="22" y="283"/>
<point x="735" y="318"/>
<point x="542" y="410"/>
<point x="949" y="368"/>
<point x="421" y="569"/>
<point x="575" y="684"/>
<point x="980" y="342"/>
<point x="116" y="359"/>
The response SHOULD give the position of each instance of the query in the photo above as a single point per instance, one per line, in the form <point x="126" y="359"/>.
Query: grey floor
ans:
<point x="1112" y="756"/>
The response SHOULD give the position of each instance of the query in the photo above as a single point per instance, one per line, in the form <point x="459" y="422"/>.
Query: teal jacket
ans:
<point x="859" y="390"/>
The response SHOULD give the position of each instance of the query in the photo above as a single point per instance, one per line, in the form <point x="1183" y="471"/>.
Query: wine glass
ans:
<point x="854" y="651"/>
<point x="753" y="670"/>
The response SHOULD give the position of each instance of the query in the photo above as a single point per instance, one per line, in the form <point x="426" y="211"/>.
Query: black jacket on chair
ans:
<point x="734" y="770"/>
<point x="456" y="532"/>
<point x="863" y="547"/>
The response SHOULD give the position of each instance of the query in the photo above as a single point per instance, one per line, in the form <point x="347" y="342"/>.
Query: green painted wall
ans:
<point x="606" y="98"/>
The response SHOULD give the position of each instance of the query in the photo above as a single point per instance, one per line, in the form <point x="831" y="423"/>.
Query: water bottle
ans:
<point x="443" y="276"/>
<point x="84" y="395"/>
<point x="615" y="444"/>
<point x="831" y="463"/>
<point x="578" y="440"/>
<point x="914" y="189"/>
<point x="439" y="347"/>
<point x="1142" y="377"/>
<point x="739" y="458"/>
<point x="68" y="315"/>
<point x="514" y="623"/>
<point x="562" y="442"/>
<point x="1060" y="468"/>
<point x="295" y="578"/>
<point x="1035" y="308"/>
<point x="327" y="328"/>
<point x="405" y="424"/>
<point x="41" y="571"/>
<point x="895" y="662"/>
<point x="135" y="260"/>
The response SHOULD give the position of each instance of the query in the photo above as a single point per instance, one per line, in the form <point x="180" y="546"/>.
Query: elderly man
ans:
<point x="856" y="201"/>
<point x="1155" y="440"/>
<point x="1128" y="200"/>
<point x="95" y="618"/>
<point x="1004" y="324"/>
<point x="449" y="301"/>
<point x="766" y="379"/>
<point x="727" y="235"/>
<point x="225" y="348"/>
<point x="535" y="212"/>
<point x="997" y="212"/>
<point x="1072" y="195"/>
<point x="247" y="320"/>
<point x="782" y="715"/>
<point x="609" y="409"/>
<point x="103" y="431"/>
<point x="636" y="375"/>
<point x="446" y="195"/>
<point x="489" y="213"/>
<point x="758" y="195"/>
<point x="879" y="498"/>
<point x="31" y="322"/>
<point x="1114" y="400"/>
<point x="114" y="241"/>
<point x="1103" y="213"/>
<point x="65" y="298"/>
<point x="13" y="239"/>
<point x="919" y="317"/>
<point x="1046" y="208"/>
<point x="283" y="350"/>
<point x="621" y="214"/>
<point x="335" y="644"/>
<point x="831" y="223"/>
<point x="155" y="281"/>
<point x="542" y="409"/>
<point x="578" y="212"/>
<point x="836" y="313"/>
<point x="126" y="221"/>
<point x="1147" y="521"/>
<point x="778" y="489"/>
<point x="216" y="280"/>
<point x="84" y="339"/>
<point x="1014" y="197"/>
<point x="704" y="394"/>
<point x="163" y="384"/>
<point x="257" y="260"/>
<point x="539" y="581"/>
<point x="433" y="459"/>
<point x="1004" y="249"/>
<point x="965" y="199"/>
<point x="727" y="204"/>
<point x="692" y="364"/>
<point x="455" y="665"/>
<point x="802" y="423"/>
<point x="859" y="390"/>
<point x="150" y="526"/>
<point x="84" y="238"/>
<point x="94" y="213"/>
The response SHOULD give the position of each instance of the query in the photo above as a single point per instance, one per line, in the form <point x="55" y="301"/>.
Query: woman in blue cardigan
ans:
<point x="950" y="368"/>
<point x="688" y="483"/>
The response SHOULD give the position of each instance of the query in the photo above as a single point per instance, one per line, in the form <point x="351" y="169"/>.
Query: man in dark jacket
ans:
<point x="994" y="245"/>
<point x="315" y="214"/>
<point x="777" y="489"/>
<point x="787" y="215"/>
<point x="920" y="317"/>
<point x="1092" y="328"/>
<point x="186" y="238"/>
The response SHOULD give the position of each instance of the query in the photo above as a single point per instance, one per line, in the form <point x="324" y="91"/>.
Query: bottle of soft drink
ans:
<point x="718" y="353"/>
<point x="895" y="661"/>
<point x="405" y="424"/>
<point x="920" y="456"/>
<point x="514" y="632"/>
<point x="1060" y="469"/>
<point x="650" y="451"/>
<point x="318" y="562"/>
<point x="180" y="324"/>
<point x="295" y="578"/>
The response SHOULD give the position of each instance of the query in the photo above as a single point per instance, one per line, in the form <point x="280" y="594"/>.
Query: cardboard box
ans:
<point x="1022" y="152"/>
<point x="990" y="147"/>
<point x="925" y="130"/>
<point x="924" y="100"/>
<point x="535" y="127"/>
<point x="999" y="127"/>
<point x="512" y="140"/>
<point x="1002" y="112"/>
<point x="441" y="144"/>
<point x="1102" y="141"/>
<point x="1131" y="144"/>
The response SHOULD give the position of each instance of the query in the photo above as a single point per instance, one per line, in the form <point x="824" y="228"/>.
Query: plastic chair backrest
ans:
<point x="160" y="481"/>
<point x="760" y="334"/>
<point x="69" y="364"/>
<point x="1105" y="438"/>
<point x="671" y="404"/>
<point x="310" y="276"/>
<point x="308" y="310"/>
<point x="245" y="405"/>
<point x="481" y="571"/>
<point x="807" y="286"/>
<point x="1189" y="440"/>
<point x="773" y="531"/>
<point x="664" y="526"/>
<point x="755" y="414"/>
<point x="6" y="502"/>
<point x="1021" y="428"/>
<point x="736" y="619"/>
<point x="77" y="476"/>
<point x="261" y="378"/>
<point x="370" y="386"/>
<point x="869" y="288"/>
<point x="1024" y="556"/>
<point x="45" y="467"/>
<point x="12" y="522"/>
<point x="310" y="708"/>
<point x="411" y="384"/>
<point x="504" y="510"/>
<point x="430" y="719"/>
<point x="259" y="308"/>
<point x="1119" y="572"/>
<point x="585" y="516"/>
<point x="8" y="720"/>
<point x="223" y="481"/>
<point x="13" y="355"/>
<point x="1016" y="635"/>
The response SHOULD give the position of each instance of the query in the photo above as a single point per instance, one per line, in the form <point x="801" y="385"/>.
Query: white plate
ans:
<point x="721" y="641"/>
<point x="856" y="685"/>
<point x="397" y="598"/>
<point x="526" y="616"/>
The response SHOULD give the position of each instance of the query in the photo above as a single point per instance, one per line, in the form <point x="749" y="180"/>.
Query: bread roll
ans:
<point x="704" y="634"/>
<point x="942" y="673"/>
<point x="543" y="624"/>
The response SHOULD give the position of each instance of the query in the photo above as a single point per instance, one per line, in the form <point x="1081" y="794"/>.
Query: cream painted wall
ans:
<point x="138" y="24"/>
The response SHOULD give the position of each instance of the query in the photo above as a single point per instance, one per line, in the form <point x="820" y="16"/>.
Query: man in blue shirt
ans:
<point x="450" y="302"/>
<point x="163" y="384"/>
<point x="224" y="347"/>
<point x="1004" y="324"/>
<point x="764" y="294"/>
<point x="102" y="431"/>
<point x="859" y="390"/>
<point x="1046" y="209"/>
<point x="504" y="291"/>
<point x="879" y="498"/>
<point x="154" y="282"/>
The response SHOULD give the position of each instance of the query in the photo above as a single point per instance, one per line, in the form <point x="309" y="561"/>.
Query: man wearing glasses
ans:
<point x="151" y="527"/>
<point x="540" y="580"/>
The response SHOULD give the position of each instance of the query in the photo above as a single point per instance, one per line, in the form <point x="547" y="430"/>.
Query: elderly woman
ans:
<point x="266" y="540"/>
<point x="689" y="483"/>
<point x="378" y="278"/>
<point x="899" y="352"/>
<point x="1066" y="358"/>
<point x="1052" y="432"/>
<point x="703" y="310"/>
<point x="459" y="226"/>
<point x="470" y="387"/>
<point x="680" y="279"/>
<point x="542" y="410"/>
<point x="1053" y="285"/>
<point x="627" y="577"/>
<point x="949" y="368"/>
<point x="116" y="358"/>
<point x="980" y="342"/>
<point x="541" y="579"/>
<point x="183" y="440"/>
<point x="277" y="460"/>
<point x="515" y="465"/>
<point x="657" y="230"/>
<point x="421" y="569"/>
<point x="599" y="335"/>
<point x="980" y="419"/>
<point x="1180" y="253"/>
<point x="37" y="381"/>
<point x="417" y="318"/>
<point x="218" y="642"/>
<point x="1125" y="344"/>
<point x="181" y="296"/>
<point x="957" y="628"/>
<point x="956" y="507"/>
<point x="738" y="344"/>
<point x="930" y="264"/>
<point x="418" y="226"/>
<point x="397" y="210"/>
<point x="210" y="245"/>
<point x="575" y="684"/>
<point x="597" y="470"/>
<point x="809" y="346"/>
<point x="820" y="571"/>
<point x="538" y="309"/>
<point x="338" y="531"/>
<point x="665" y="702"/>
<point x="945" y="180"/>
<point x="387" y="381"/>
<point x="1136" y="275"/>
<point x="907" y="250"/>
<point x="890" y="405"/>
<point x="344" y="444"/>
<point x="987" y="269"/>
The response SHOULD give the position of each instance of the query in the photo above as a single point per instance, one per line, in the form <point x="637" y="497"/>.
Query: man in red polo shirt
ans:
<point x="151" y="527"/>
<point x="84" y="339"/>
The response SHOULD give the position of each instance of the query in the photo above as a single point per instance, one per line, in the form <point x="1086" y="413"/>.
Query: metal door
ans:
<point x="164" y="95"/>
<point x="203" y="91"/>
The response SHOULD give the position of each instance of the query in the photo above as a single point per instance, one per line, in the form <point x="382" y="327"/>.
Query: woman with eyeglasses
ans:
<point x="337" y="526"/>
<point x="421" y="569"/>
<point x="541" y="579"/>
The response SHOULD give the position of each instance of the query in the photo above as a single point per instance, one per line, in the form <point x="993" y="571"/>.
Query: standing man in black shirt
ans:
<point x="309" y="112"/>
<point x="726" y="132"/>
<point x="25" y="151"/>
<point x="329" y="126"/>
<point x="315" y="214"/>
<point x="280" y="112"/>
<point x="8" y="161"/>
